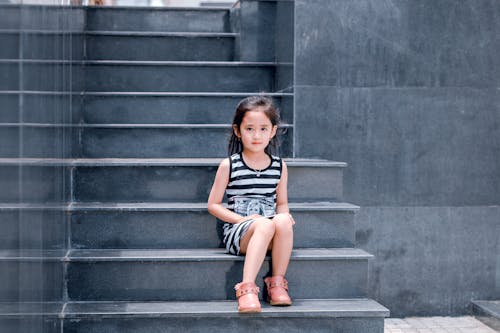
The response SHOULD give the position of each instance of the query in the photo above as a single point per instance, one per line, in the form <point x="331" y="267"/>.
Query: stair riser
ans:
<point x="140" y="230"/>
<point x="187" y="280"/>
<point x="60" y="76"/>
<point x="169" y="110"/>
<point x="42" y="229"/>
<point x="185" y="184"/>
<point x="42" y="17"/>
<point x="160" y="48"/>
<point x="40" y="184"/>
<point x="162" y="143"/>
<point x="31" y="281"/>
<point x="153" y="19"/>
<point x="34" y="142"/>
<point x="31" y="324"/>
<point x="223" y="325"/>
<point x="178" y="78"/>
<point x="50" y="46"/>
<point x="39" y="108"/>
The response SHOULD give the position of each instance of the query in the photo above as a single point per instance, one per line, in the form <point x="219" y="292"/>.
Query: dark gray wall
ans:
<point x="407" y="93"/>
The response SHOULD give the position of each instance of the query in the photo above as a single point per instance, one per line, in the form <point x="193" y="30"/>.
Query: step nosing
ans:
<point x="184" y="94"/>
<point x="231" y="64"/>
<point x="161" y="206"/>
<point x="146" y="162"/>
<point x="354" y="307"/>
<point x="126" y="125"/>
<point x="160" y="33"/>
<point x="180" y="63"/>
<point x="300" y="308"/>
<point x="207" y="255"/>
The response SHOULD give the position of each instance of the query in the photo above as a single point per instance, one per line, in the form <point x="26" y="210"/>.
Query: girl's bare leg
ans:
<point x="282" y="244"/>
<point x="254" y="245"/>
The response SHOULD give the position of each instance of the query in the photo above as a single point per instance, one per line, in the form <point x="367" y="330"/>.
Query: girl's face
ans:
<point x="256" y="130"/>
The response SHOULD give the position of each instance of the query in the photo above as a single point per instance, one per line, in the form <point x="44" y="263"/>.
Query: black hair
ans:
<point x="250" y="104"/>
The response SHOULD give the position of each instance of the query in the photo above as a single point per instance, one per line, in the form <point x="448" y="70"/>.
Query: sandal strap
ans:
<point x="246" y="289"/>
<point x="272" y="283"/>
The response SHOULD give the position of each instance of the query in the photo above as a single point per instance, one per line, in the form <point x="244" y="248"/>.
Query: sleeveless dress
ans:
<point x="249" y="192"/>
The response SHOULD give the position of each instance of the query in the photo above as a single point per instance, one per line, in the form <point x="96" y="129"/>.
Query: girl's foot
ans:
<point x="247" y="294"/>
<point x="277" y="290"/>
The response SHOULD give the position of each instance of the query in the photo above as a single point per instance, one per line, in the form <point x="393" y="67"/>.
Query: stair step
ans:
<point x="166" y="140"/>
<point x="208" y="108"/>
<point x="160" y="46"/>
<point x="47" y="183"/>
<point x="341" y="315"/>
<point x="177" y="76"/>
<point x="155" y="180"/>
<point x="39" y="140"/>
<point x="124" y="140"/>
<point x="138" y="76"/>
<point x="488" y="312"/>
<point x="158" y="19"/>
<point x="155" y="225"/>
<point x="181" y="274"/>
<point x="41" y="75"/>
<point x="130" y="107"/>
<point x="30" y="17"/>
<point x="147" y="225"/>
<point x="55" y="44"/>
<point x="39" y="107"/>
<point x="31" y="275"/>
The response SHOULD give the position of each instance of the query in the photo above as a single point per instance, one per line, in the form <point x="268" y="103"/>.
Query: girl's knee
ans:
<point x="265" y="226"/>
<point x="283" y="221"/>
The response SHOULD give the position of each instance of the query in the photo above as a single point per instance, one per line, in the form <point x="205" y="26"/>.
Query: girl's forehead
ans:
<point x="256" y="116"/>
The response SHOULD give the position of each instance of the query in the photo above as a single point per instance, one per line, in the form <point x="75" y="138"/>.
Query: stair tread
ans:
<point x="339" y="308"/>
<point x="207" y="254"/>
<point x="159" y="33"/>
<point x="293" y="162"/>
<point x="143" y="62"/>
<point x="212" y="254"/>
<point x="175" y="63"/>
<point x="166" y="206"/>
<point x="492" y="308"/>
<point x="121" y="33"/>
<point x="125" y="125"/>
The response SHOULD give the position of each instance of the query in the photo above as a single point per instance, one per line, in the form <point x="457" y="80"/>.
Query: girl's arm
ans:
<point x="282" y="193"/>
<point x="215" y="206"/>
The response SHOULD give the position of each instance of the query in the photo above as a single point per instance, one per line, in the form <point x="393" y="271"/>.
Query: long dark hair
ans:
<point x="250" y="104"/>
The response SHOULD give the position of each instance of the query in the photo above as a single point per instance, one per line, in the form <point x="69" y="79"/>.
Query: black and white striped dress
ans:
<point x="249" y="192"/>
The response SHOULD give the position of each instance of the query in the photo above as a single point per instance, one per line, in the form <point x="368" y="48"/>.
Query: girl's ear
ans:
<point x="274" y="130"/>
<point x="236" y="130"/>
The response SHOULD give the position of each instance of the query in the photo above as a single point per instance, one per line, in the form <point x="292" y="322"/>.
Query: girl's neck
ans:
<point x="257" y="160"/>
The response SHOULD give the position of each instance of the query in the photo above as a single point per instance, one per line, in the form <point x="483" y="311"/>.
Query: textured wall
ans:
<point x="407" y="93"/>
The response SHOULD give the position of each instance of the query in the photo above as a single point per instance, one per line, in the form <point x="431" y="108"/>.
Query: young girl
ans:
<point x="257" y="218"/>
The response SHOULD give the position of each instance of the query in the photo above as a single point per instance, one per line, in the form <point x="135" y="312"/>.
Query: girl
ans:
<point x="257" y="218"/>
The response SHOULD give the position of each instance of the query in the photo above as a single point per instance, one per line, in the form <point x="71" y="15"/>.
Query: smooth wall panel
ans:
<point x="407" y="146"/>
<point x="431" y="260"/>
<point x="397" y="43"/>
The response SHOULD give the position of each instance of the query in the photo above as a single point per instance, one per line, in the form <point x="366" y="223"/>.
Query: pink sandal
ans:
<point x="277" y="290"/>
<point x="248" y="299"/>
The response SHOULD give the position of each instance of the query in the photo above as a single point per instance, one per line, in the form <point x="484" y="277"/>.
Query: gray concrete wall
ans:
<point x="407" y="93"/>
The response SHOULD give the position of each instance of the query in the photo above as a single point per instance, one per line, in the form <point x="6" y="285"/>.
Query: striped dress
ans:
<point x="249" y="192"/>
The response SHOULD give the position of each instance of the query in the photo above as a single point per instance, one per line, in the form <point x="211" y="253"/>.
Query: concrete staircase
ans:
<point x="160" y="87"/>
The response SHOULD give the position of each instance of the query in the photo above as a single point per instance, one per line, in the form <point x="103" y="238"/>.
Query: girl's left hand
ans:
<point x="291" y="218"/>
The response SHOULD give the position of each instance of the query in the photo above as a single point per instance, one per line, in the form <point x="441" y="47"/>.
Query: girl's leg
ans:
<point x="282" y="244"/>
<point x="254" y="245"/>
